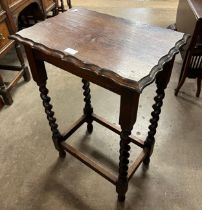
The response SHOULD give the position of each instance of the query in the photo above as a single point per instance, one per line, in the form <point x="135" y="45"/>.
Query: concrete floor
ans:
<point x="32" y="176"/>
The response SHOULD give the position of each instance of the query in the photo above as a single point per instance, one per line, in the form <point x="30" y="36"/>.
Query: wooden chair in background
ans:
<point x="189" y="20"/>
<point x="7" y="27"/>
<point x="28" y="13"/>
<point x="62" y="7"/>
<point x="1" y="103"/>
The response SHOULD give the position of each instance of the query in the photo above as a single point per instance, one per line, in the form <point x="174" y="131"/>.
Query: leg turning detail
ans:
<point x="150" y="141"/>
<point x="122" y="184"/>
<point x="56" y="136"/>
<point x="88" y="110"/>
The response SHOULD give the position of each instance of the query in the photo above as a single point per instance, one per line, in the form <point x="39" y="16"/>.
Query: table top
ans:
<point x="129" y="53"/>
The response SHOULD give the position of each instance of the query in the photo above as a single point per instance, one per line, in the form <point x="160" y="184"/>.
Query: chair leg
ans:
<point x="181" y="73"/>
<point x="26" y="74"/>
<point x="198" y="86"/>
<point x="5" y="93"/>
<point x="69" y="3"/>
<point x="1" y="103"/>
<point x="183" y="76"/>
<point x="62" y="5"/>
<point x="184" y="72"/>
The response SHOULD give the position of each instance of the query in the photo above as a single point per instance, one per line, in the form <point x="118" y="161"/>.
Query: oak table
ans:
<point x="121" y="56"/>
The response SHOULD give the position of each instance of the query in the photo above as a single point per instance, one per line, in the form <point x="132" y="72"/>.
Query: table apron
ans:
<point x="89" y="75"/>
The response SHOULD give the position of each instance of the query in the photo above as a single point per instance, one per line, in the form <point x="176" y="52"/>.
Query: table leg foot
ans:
<point x="121" y="198"/>
<point x="176" y="92"/>
<point x="7" y="97"/>
<point x="146" y="161"/>
<point x="69" y="3"/>
<point x="5" y="93"/>
<point x="26" y="74"/>
<point x="150" y="141"/>
<point x="90" y="128"/>
<point x="122" y="183"/>
<point x="62" y="154"/>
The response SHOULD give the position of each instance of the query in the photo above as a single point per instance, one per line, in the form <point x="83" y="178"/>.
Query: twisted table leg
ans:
<point x="162" y="80"/>
<point x="62" y="5"/>
<point x="56" y="136"/>
<point x="150" y="141"/>
<point x="88" y="110"/>
<point x="127" y="118"/>
<point x="122" y="185"/>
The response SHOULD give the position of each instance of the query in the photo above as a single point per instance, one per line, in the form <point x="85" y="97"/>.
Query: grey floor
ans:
<point x="32" y="176"/>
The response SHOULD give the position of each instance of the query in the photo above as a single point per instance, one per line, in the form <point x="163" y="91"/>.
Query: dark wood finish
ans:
<point x="113" y="53"/>
<point x="199" y="79"/>
<point x="88" y="110"/>
<point x="7" y="27"/>
<point x="101" y="121"/>
<point x="189" y="20"/>
<point x="5" y="30"/>
<point x="38" y="8"/>
<point x="62" y="7"/>
<point x="93" y="165"/>
<point x="24" y="68"/>
<point x="117" y="130"/>
<point x="137" y="163"/>
<point x="121" y="74"/>
<point x="1" y="103"/>
<point x="74" y="127"/>
<point x="56" y="136"/>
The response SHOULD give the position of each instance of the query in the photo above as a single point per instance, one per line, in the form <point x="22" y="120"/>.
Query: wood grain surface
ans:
<point x="116" y="47"/>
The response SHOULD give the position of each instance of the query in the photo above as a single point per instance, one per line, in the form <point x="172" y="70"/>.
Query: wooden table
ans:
<point x="114" y="53"/>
